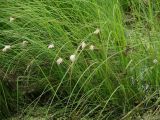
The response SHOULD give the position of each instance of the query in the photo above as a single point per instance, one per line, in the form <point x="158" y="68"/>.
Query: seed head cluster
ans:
<point x="60" y="60"/>
<point x="6" y="48"/>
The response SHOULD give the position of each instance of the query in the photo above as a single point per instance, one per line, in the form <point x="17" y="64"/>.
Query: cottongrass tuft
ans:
<point x="24" y="43"/>
<point x="97" y="31"/>
<point x="59" y="61"/>
<point x="155" y="61"/>
<point x="11" y="19"/>
<point x="50" y="46"/>
<point x="83" y="45"/>
<point x="72" y="58"/>
<point x="91" y="47"/>
<point x="6" y="48"/>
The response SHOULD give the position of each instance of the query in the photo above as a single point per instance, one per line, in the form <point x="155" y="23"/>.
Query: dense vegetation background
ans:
<point x="79" y="59"/>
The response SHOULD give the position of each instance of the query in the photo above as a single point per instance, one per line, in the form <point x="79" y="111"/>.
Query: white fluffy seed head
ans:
<point x="50" y="46"/>
<point x="91" y="47"/>
<point x="97" y="31"/>
<point x="73" y="58"/>
<point x="59" y="61"/>
<point x="83" y="45"/>
<point x="24" y="43"/>
<point x="155" y="61"/>
<point x="6" y="48"/>
<point x="11" y="19"/>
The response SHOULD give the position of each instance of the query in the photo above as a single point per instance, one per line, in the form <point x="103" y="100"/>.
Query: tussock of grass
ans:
<point x="85" y="59"/>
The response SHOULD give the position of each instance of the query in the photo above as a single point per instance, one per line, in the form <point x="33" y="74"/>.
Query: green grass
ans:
<point x="115" y="80"/>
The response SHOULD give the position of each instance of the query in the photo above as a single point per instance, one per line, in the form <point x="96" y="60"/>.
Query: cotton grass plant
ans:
<point x="98" y="67"/>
